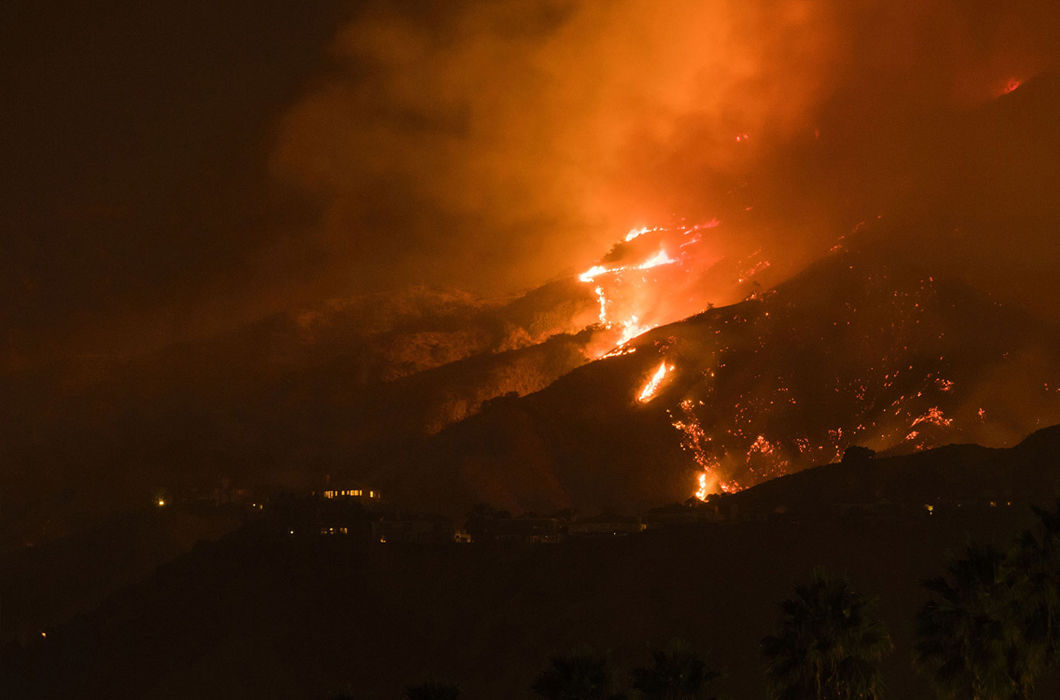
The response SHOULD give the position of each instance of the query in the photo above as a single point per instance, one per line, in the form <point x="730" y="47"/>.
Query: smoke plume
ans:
<point x="494" y="145"/>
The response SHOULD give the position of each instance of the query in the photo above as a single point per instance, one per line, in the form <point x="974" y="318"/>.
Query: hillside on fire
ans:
<point x="696" y="357"/>
<point x="850" y="352"/>
<point x="856" y="350"/>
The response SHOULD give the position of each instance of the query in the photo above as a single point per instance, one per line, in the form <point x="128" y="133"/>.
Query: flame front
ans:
<point x="742" y="418"/>
<point x="661" y="274"/>
<point x="651" y="389"/>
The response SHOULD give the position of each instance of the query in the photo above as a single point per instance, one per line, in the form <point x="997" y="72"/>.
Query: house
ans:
<point x="360" y="493"/>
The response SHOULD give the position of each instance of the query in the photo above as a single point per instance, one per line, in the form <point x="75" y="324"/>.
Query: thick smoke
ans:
<point x="493" y="145"/>
<point x="528" y="139"/>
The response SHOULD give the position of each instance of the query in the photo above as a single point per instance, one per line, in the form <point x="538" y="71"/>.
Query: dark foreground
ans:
<point x="268" y="617"/>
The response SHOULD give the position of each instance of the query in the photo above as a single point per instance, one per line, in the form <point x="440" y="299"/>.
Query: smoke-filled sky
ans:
<point x="175" y="168"/>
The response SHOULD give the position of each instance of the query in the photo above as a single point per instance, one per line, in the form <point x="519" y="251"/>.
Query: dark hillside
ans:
<point x="851" y="352"/>
<point x="301" y="616"/>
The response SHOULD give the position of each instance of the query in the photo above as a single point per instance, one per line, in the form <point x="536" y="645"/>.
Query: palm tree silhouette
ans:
<point x="676" y="673"/>
<point x="582" y="675"/>
<point x="971" y="640"/>
<point x="1037" y="588"/>
<point x="829" y="644"/>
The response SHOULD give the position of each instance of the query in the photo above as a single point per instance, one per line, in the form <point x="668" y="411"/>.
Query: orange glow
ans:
<point x="660" y="258"/>
<point x="637" y="232"/>
<point x="660" y="274"/>
<point x="702" y="492"/>
<point x="934" y="416"/>
<point x="1012" y="85"/>
<point x="651" y="389"/>
<point x="594" y="272"/>
<point x="631" y="329"/>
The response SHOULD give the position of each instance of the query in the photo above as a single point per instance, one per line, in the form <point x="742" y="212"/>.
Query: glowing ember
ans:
<point x="933" y="416"/>
<point x="1012" y="85"/>
<point x="619" y="351"/>
<point x="652" y="387"/>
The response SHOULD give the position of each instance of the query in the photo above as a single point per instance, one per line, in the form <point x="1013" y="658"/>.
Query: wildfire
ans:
<point x="651" y="389"/>
<point x="631" y="329"/>
<point x="660" y="258"/>
<point x="635" y="290"/>
<point x="593" y="272"/>
<point x="694" y="439"/>
<point x="702" y="492"/>
<point x="638" y="232"/>
<point x="934" y="416"/>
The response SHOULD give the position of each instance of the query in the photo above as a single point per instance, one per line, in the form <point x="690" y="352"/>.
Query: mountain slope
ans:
<point x="853" y="351"/>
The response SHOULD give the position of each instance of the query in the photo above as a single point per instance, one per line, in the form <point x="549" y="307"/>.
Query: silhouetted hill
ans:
<point x="282" y="401"/>
<point x="948" y="478"/>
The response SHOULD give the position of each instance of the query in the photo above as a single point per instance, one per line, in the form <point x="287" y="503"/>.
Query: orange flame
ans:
<point x="651" y="389"/>
<point x="702" y="492"/>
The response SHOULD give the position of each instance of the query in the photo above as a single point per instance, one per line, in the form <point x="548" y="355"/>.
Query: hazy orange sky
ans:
<point x="175" y="168"/>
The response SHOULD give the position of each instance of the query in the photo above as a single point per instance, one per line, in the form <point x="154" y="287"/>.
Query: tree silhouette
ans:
<point x="432" y="691"/>
<point x="829" y="644"/>
<point x="971" y="640"/>
<point x="856" y="454"/>
<point x="676" y="673"/>
<point x="582" y="675"/>
<point x="1037" y="588"/>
